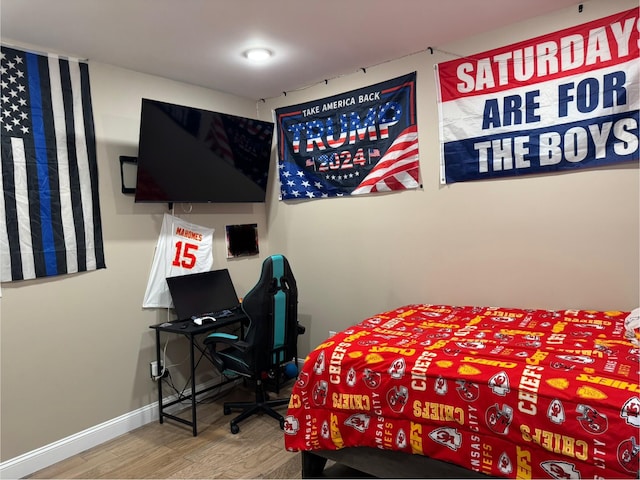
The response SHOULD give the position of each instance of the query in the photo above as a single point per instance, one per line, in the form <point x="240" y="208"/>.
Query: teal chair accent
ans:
<point x="270" y="339"/>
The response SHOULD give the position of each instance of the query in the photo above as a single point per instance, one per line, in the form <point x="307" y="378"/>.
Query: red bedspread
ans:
<point x="508" y="392"/>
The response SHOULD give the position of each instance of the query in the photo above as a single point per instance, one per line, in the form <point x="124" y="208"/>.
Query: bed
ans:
<point x="450" y="392"/>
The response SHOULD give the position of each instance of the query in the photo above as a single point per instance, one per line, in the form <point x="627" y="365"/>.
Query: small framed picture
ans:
<point x="242" y="240"/>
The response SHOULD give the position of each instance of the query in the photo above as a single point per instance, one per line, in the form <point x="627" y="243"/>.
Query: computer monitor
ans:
<point x="200" y="294"/>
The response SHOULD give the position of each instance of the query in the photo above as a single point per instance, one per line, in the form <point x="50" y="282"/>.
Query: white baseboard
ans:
<point x="30" y="462"/>
<point x="42" y="457"/>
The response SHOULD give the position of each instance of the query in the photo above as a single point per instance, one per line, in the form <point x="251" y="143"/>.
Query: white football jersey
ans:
<point x="182" y="248"/>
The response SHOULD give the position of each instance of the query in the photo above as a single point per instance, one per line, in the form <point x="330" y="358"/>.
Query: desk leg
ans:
<point x="193" y="386"/>
<point x="158" y="359"/>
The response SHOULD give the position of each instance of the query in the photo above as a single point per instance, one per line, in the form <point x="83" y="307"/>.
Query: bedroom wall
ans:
<point x="545" y="241"/>
<point x="75" y="350"/>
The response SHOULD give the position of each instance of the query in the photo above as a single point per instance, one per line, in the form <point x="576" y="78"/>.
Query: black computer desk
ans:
<point x="190" y="330"/>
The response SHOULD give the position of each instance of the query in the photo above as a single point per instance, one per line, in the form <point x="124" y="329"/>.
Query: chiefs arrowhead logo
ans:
<point x="351" y="377"/>
<point x="448" y="437"/>
<point x="401" y="439"/>
<point x="318" y="367"/>
<point x="504" y="464"/>
<point x="555" y="412"/>
<point x="560" y="469"/>
<point x="324" y="430"/>
<point x="358" y="421"/>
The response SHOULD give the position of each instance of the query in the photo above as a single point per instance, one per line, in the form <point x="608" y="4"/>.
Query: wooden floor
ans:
<point x="171" y="451"/>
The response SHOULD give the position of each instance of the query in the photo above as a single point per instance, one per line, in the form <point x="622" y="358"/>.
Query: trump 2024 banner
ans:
<point x="560" y="101"/>
<point x="359" y="142"/>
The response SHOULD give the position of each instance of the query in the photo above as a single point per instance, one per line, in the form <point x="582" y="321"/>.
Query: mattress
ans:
<point x="508" y="392"/>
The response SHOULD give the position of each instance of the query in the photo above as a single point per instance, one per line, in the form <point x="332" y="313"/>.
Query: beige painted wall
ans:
<point x="546" y="241"/>
<point x="75" y="350"/>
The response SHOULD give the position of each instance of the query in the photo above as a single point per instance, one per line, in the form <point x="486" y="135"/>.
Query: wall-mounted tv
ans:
<point x="191" y="155"/>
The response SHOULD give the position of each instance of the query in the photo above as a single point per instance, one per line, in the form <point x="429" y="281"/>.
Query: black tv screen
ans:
<point x="191" y="155"/>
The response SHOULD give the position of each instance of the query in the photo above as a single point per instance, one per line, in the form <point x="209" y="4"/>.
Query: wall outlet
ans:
<point x="154" y="371"/>
<point x="332" y="333"/>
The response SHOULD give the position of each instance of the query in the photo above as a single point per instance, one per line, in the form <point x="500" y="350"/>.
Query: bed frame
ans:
<point x="383" y="464"/>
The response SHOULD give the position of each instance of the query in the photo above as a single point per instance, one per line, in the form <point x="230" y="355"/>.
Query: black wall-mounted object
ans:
<point x="242" y="240"/>
<point x="191" y="155"/>
<point x="124" y="160"/>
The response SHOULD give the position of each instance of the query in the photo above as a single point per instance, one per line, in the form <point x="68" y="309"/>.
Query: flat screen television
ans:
<point x="191" y="155"/>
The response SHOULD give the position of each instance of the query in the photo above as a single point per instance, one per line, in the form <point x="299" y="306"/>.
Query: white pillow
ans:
<point x="632" y="327"/>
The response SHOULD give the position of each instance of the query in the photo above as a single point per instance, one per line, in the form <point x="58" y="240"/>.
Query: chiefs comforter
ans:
<point x="508" y="392"/>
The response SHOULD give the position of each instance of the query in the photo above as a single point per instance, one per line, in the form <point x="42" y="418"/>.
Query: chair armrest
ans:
<point x="228" y="339"/>
<point x="224" y="338"/>
<point x="219" y="337"/>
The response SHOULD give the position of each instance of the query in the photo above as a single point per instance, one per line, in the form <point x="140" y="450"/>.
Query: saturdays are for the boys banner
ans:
<point x="560" y="101"/>
<point x="359" y="142"/>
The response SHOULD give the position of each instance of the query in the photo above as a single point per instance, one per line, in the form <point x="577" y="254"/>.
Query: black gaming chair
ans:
<point x="269" y="342"/>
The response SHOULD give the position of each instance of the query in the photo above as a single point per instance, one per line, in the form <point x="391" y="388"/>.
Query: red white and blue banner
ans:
<point x="359" y="142"/>
<point x="561" y="101"/>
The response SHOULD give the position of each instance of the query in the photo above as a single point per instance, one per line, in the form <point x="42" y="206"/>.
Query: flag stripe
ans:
<point x="45" y="237"/>
<point x="25" y="262"/>
<point x="46" y="81"/>
<point x="84" y="176"/>
<point x="97" y="251"/>
<point x="11" y="261"/>
<point x="395" y="171"/>
<point x="8" y="228"/>
<point x="51" y="247"/>
<point x="389" y="168"/>
<point x="400" y="176"/>
<point x="65" y="246"/>
<point x="31" y="246"/>
<point x="401" y="157"/>
<point x="5" y="261"/>
<point x="75" y="178"/>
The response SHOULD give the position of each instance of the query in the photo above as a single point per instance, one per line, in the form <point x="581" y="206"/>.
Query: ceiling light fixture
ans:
<point x="258" y="54"/>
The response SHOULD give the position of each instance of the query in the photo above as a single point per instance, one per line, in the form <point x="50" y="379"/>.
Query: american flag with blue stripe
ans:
<point x="49" y="211"/>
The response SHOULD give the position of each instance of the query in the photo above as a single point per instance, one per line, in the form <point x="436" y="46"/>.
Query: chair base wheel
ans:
<point x="259" y="407"/>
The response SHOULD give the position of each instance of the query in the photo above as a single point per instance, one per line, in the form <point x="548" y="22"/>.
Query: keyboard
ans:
<point x="227" y="312"/>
